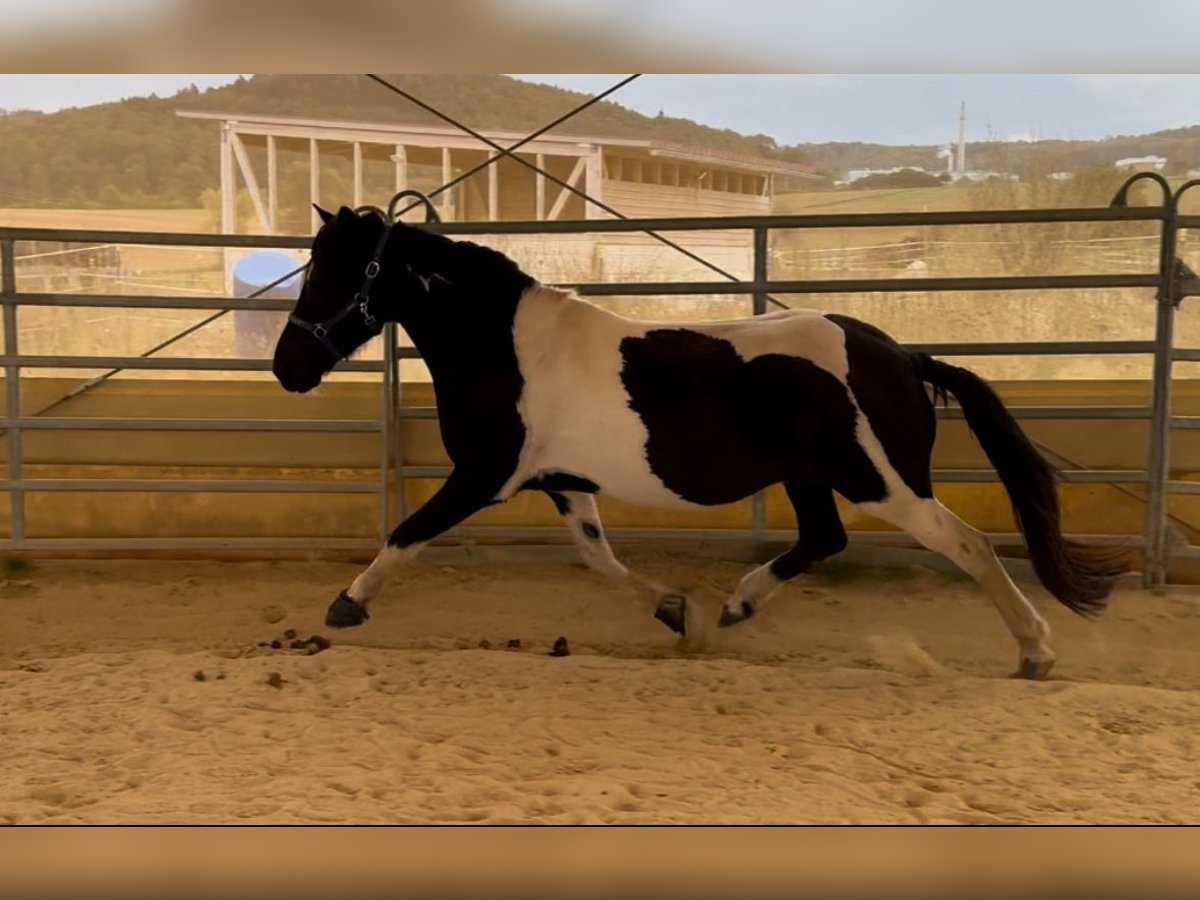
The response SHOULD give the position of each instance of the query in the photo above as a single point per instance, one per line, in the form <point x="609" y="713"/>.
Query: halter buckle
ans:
<point x="320" y="331"/>
<point x="363" y="300"/>
<point x="373" y="268"/>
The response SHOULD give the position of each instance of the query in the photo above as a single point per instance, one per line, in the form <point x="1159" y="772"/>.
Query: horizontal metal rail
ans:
<point x="871" y="285"/>
<point x="953" y="412"/>
<point x="155" y="301"/>
<point x="106" y="423"/>
<point x="192" y="485"/>
<point x="1062" y="412"/>
<point x="1102" y="476"/>
<point x="196" y="363"/>
<point x="538" y="534"/>
<point x="610" y="226"/>
<point x="662" y="289"/>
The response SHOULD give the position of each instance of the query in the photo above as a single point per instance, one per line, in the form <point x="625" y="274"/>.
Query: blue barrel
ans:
<point x="255" y="332"/>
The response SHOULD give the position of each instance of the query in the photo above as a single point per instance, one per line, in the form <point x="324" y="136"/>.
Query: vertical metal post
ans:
<point x="758" y="507"/>
<point x="1155" y="564"/>
<point x="12" y="391"/>
<point x="387" y="422"/>
<point x="392" y="361"/>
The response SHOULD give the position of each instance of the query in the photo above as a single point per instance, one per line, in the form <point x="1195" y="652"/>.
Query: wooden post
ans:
<point x="358" y="175"/>
<point x="593" y="184"/>
<point x="314" y="184"/>
<point x="228" y="202"/>
<point x="272" y="185"/>
<point x="400" y="160"/>
<point x="493" y="179"/>
<point x="228" y="186"/>
<point x="540" y="186"/>
<point x="447" y="174"/>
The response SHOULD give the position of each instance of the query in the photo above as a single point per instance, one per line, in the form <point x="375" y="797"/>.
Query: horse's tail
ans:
<point x="1079" y="575"/>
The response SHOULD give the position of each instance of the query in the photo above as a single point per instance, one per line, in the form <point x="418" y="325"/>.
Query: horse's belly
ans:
<point x="618" y="468"/>
<point x="604" y="442"/>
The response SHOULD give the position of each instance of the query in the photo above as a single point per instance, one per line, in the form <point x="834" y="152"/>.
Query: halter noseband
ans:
<point x="320" y="330"/>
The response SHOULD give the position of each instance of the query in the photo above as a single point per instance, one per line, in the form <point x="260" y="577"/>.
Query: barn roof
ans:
<point x="560" y="143"/>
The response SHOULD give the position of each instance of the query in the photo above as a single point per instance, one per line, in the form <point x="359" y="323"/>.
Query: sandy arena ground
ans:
<point x="877" y="696"/>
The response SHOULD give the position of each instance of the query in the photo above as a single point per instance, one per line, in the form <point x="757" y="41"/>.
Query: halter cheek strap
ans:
<point x="361" y="301"/>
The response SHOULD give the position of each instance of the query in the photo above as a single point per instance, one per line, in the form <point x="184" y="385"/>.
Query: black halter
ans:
<point x="320" y="330"/>
<point x="362" y="298"/>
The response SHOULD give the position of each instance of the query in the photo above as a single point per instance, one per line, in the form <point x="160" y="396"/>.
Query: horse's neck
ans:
<point x="463" y="343"/>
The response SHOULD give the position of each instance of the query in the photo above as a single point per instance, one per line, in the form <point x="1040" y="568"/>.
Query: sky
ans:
<point x="892" y="109"/>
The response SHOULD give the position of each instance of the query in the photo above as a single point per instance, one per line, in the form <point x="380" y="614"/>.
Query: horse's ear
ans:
<point x="325" y="215"/>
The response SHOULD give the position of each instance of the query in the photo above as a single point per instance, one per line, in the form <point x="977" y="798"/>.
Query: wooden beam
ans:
<point x="243" y="161"/>
<point x="564" y="194"/>
<point x="314" y="184"/>
<point x="272" y="184"/>
<point x="447" y="174"/>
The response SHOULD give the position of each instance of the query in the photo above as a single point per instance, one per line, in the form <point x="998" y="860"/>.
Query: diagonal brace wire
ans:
<point x="558" y="181"/>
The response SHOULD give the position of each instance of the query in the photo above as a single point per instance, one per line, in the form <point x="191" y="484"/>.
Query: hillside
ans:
<point x="138" y="154"/>
<point x="1180" y="146"/>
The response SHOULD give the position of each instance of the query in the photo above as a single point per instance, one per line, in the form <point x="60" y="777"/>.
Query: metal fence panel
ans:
<point x="1168" y="282"/>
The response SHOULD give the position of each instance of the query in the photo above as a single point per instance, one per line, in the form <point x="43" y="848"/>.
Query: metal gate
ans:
<point x="1171" y="283"/>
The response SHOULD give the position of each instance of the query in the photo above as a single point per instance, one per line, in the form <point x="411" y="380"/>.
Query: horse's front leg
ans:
<point x="458" y="498"/>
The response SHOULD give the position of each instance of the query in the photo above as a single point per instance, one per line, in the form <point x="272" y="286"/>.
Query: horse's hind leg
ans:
<point x="582" y="519"/>
<point x="940" y="530"/>
<point x="821" y="536"/>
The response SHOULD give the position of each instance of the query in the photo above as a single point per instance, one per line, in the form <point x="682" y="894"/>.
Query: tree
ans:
<point x="905" y="178"/>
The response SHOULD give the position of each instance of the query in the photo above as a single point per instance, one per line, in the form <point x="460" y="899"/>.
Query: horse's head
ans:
<point x="365" y="272"/>
<point x="357" y="277"/>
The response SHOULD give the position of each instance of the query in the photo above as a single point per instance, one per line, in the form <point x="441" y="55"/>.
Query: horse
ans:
<point x="538" y="389"/>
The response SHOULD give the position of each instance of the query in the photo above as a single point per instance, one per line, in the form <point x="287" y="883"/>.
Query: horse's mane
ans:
<point x="471" y="262"/>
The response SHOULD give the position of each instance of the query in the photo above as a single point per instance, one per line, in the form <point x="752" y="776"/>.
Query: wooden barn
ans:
<point x="267" y="157"/>
<point x="638" y="177"/>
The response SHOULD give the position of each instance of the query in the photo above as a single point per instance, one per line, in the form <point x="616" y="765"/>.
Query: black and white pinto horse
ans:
<point x="538" y="389"/>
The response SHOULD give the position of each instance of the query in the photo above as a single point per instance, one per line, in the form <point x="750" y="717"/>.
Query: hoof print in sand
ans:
<point x="560" y="648"/>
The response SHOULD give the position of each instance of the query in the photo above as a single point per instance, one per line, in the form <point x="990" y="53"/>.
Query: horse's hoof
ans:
<point x="345" y="612"/>
<point x="672" y="612"/>
<point x="1034" y="669"/>
<point x="732" y="617"/>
